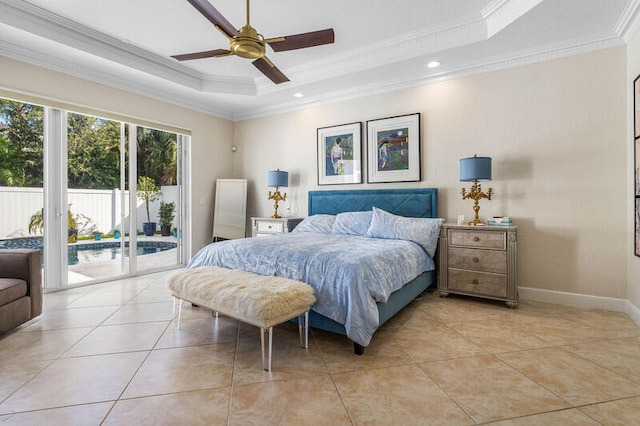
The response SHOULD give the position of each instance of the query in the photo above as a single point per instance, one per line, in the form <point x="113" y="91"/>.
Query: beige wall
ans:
<point x="633" y="274"/>
<point x="211" y="137"/>
<point x="557" y="134"/>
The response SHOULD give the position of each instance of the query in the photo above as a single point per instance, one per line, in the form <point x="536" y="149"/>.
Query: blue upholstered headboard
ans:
<point x="414" y="202"/>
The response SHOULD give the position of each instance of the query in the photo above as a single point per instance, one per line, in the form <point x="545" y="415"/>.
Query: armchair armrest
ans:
<point x="25" y="265"/>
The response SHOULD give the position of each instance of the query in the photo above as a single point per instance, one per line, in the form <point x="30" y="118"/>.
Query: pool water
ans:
<point x="92" y="252"/>
<point x="95" y="252"/>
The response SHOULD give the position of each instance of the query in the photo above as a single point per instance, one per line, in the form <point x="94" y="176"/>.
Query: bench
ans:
<point x="262" y="301"/>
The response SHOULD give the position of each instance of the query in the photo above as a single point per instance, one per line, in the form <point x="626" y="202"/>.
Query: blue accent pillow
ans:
<point x="422" y="231"/>
<point x="352" y="223"/>
<point x="319" y="223"/>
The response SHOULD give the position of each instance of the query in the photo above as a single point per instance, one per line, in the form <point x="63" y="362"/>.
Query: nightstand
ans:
<point x="263" y="226"/>
<point x="479" y="261"/>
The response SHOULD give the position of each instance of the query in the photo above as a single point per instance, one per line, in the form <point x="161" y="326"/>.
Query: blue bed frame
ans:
<point x="414" y="202"/>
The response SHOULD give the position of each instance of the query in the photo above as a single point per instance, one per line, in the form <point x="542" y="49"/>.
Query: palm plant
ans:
<point x="36" y="224"/>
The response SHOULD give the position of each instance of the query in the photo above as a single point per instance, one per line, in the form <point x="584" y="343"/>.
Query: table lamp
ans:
<point x="474" y="169"/>
<point x="277" y="178"/>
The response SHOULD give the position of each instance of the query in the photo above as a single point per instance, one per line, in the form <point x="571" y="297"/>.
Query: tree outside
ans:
<point x="21" y="144"/>
<point x="93" y="150"/>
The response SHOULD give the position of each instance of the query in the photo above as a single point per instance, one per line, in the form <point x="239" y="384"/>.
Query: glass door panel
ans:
<point x="94" y="195"/>
<point x="21" y="175"/>
<point x="158" y="194"/>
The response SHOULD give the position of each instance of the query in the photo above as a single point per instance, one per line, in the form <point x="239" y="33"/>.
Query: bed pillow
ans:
<point x="318" y="223"/>
<point x="352" y="223"/>
<point x="422" y="231"/>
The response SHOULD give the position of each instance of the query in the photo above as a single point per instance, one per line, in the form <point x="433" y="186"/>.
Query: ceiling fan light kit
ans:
<point x="247" y="43"/>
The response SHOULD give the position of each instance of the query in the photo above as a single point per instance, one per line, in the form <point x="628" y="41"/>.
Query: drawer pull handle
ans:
<point x="476" y="239"/>
<point x="474" y="282"/>
<point x="476" y="260"/>
<point x="269" y="226"/>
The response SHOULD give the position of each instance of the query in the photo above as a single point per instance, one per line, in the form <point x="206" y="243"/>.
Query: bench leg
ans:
<point x="266" y="355"/>
<point x="175" y="299"/>
<point x="303" y="329"/>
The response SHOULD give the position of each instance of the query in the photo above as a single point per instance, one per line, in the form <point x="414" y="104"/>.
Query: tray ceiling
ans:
<point x="379" y="45"/>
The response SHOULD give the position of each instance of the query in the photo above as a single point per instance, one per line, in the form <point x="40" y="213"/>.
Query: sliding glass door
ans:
<point x="84" y="188"/>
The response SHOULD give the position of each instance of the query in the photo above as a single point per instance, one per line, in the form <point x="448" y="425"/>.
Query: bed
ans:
<point x="354" y="297"/>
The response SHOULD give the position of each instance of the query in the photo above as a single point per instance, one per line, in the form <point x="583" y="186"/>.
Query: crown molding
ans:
<point x="500" y="13"/>
<point x="44" y="60"/>
<point x="526" y="57"/>
<point x="629" y="21"/>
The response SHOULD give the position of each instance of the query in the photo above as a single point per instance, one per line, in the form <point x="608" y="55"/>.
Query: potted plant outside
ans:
<point x="97" y="235"/>
<point x="167" y="215"/>
<point x="36" y="225"/>
<point x="116" y="233"/>
<point x="148" y="192"/>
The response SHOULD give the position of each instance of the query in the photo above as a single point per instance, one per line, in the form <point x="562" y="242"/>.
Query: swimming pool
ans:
<point x="92" y="251"/>
<point x="95" y="252"/>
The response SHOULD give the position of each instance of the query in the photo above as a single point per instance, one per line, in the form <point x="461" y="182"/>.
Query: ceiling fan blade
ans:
<point x="267" y="68"/>
<point x="201" y="55"/>
<point x="215" y="17"/>
<point x="300" y="41"/>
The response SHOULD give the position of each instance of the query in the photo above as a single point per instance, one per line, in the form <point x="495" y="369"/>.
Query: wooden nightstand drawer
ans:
<point x="478" y="260"/>
<point x="480" y="239"/>
<point x="270" y="227"/>
<point x="478" y="282"/>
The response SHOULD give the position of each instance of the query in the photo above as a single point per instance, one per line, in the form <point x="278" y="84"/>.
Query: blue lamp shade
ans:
<point x="277" y="178"/>
<point x="475" y="168"/>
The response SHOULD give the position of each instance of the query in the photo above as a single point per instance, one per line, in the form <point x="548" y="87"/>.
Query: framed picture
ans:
<point x="636" y="162"/>
<point x="637" y="244"/>
<point x="393" y="149"/>
<point x="340" y="154"/>
<point x="636" y="174"/>
<point x="636" y="107"/>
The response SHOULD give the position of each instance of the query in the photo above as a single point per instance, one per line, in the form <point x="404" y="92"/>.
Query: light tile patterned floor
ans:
<point x="109" y="354"/>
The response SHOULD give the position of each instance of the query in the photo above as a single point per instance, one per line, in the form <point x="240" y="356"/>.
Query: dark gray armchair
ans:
<point x="20" y="287"/>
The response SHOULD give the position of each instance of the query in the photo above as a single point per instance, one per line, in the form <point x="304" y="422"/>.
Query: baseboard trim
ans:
<point x="582" y="300"/>
<point x="634" y="312"/>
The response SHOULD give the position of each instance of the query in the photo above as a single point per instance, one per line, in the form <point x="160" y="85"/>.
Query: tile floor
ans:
<point x="109" y="354"/>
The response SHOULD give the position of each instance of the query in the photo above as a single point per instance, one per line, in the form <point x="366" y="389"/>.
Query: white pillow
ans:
<point x="422" y="231"/>
<point x="319" y="223"/>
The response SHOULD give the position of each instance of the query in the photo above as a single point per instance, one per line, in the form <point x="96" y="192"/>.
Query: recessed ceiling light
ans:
<point x="298" y="95"/>
<point x="434" y="64"/>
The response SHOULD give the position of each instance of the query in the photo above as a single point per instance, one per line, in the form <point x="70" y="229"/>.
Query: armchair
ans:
<point x="20" y="287"/>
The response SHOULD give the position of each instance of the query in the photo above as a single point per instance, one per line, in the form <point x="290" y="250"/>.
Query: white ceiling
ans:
<point x="380" y="45"/>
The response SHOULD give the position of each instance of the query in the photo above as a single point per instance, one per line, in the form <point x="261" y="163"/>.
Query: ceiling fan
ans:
<point x="247" y="43"/>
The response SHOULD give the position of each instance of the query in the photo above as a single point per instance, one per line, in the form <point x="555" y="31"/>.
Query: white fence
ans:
<point x="102" y="206"/>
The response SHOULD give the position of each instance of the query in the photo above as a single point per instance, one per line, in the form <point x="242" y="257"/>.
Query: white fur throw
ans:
<point x="243" y="295"/>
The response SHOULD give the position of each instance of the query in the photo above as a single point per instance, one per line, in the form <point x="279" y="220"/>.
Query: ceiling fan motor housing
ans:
<point x="249" y="45"/>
